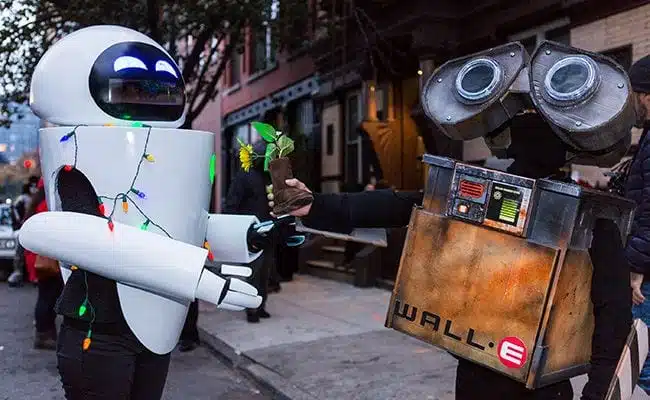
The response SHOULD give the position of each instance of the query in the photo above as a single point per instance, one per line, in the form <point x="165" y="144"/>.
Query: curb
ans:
<point x="279" y="386"/>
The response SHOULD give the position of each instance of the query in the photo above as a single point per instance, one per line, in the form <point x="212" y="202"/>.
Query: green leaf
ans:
<point x="286" y="145"/>
<point x="271" y="152"/>
<point x="266" y="131"/>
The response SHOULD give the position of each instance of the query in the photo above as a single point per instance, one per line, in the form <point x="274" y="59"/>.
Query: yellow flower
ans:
<point x="246" y="157"/>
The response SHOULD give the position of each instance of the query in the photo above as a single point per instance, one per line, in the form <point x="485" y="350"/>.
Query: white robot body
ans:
<point x="153" y="249"/>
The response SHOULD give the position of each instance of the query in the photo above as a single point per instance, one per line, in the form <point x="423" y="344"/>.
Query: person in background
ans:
<point x="247" y="195"/>
<point x="637" y="188"/>
<point x="19" y="209"/>
<point x="49" y="287"/>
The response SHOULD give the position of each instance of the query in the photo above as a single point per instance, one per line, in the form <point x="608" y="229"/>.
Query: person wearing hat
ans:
<point x="637" y="188"/>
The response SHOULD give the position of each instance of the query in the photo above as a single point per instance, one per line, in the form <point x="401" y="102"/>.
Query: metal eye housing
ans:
<point x="571" y="80"/>
<point x="478" y="80"/>
<point x="586" y="98"/>
<point x="471" y="96"/>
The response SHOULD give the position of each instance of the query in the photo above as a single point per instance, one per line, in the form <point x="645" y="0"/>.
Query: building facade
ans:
<point x="276" y="87"/>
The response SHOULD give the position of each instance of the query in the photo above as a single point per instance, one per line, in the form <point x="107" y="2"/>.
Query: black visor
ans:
<point x="137" y="81"/>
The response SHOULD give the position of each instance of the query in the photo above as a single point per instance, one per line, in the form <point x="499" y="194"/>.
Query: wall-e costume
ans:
<point x="514" y="272"/>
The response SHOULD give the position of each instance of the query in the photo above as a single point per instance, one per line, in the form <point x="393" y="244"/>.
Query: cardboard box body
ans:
<point x="496" y="270"/>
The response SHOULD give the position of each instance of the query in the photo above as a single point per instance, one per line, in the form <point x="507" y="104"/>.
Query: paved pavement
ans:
<point x="28" y="374"/>
<point x="326" y="340"/>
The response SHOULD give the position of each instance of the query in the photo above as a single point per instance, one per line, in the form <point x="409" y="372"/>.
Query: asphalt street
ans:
<point x="29" y="374"/>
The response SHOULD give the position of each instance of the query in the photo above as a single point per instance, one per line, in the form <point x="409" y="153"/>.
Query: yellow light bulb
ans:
<point x="206" y="245"/>
<point x="149" y="158"/>
<point x="125" y="206"/>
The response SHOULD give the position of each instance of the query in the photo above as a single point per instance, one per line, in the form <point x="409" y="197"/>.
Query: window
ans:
<point x="235" y="67"/>
<point x="330" y="139"/>
<point x="353" y="119"/>
<point x="557" y="31"/>
<point x="263" y="46"/>
<point x="305" y="116"/>
<point x="381" y="101"/>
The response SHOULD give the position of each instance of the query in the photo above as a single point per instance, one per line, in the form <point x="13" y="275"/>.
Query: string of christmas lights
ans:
<point x="124" y="196"/>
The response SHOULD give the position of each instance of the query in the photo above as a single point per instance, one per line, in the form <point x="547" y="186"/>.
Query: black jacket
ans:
<point x="247" y="195"/>
<point x="637" y="188"/>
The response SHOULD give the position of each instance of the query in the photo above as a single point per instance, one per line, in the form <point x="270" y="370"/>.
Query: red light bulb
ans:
<point x="68" y="168"/>
<point x="110" y="225"/>
<point x="102" y="209"/>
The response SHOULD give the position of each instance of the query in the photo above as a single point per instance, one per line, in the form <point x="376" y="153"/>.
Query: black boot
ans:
<point x="252" y="316"/>
<point x="263" y="314"/>
<point x="188" y="345"/>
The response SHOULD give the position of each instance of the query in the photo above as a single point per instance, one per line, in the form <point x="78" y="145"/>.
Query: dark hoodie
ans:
<point x="247" y="193"/>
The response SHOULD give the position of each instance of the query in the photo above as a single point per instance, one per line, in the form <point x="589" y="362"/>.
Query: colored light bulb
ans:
<point x="102" y="209"/>
<point x="206" y="245"/>
<point x="210" y="256"/>
<point x="139" y="193"/>
<point x="137" y="124"/>
<point x="86" y="343"/>
<point x="144" y="225"/>
<point x="65" y="137"/>
<point x="213" y="168"/>
<point x="149" y="157"/>
<point x="125" y="205"/>
<point x="111" y="225"/>
<point x="74" y="267"/>
<point x="82" y="309"/>
<point x="67" y="168"/>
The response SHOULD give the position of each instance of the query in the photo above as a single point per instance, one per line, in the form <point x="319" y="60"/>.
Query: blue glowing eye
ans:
<point x="125" y="62"/>
<point x="165" y="66"/>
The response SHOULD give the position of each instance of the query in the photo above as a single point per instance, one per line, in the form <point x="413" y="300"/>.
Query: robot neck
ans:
<point x="537" y="151"/>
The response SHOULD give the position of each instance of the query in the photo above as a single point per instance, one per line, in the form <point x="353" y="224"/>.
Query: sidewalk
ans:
<point x="326" y="340"/>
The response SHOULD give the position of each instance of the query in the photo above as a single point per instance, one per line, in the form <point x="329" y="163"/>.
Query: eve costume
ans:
<point x="128" y="193"/>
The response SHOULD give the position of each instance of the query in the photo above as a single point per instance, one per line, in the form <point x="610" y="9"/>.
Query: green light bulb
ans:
<point x="82" y="309"/>
<point x="145" y="225"/>
<point x="137" y="124"/>
<point x="213" y="167"/>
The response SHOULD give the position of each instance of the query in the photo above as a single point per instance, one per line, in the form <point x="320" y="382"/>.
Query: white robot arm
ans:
<point x="241" y="239"/>
<point x="229" y="238"/>
<point x="135" y="258"/>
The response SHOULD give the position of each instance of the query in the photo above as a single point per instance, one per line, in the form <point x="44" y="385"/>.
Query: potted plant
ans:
<point x="278" y="147"/>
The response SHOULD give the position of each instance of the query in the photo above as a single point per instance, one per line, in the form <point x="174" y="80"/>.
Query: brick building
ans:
<point x="267" y="85"/>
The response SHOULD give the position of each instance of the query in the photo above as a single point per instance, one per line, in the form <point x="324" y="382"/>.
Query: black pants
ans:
<point x="115" y="367"/>
<point x="612" y="300"/>
<point x="49" y="290"/>
<point x="260" y="278"/>
<point x="190" y="331"/>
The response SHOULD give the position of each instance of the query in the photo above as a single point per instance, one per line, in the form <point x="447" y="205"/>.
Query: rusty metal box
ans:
<point x="496" y="270"/>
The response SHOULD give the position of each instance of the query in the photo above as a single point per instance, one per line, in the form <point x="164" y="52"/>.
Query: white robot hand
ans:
<point x="225" y="290"/>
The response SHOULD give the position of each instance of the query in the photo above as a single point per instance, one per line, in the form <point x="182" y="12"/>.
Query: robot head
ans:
<point x="584" y="97"/>
<point x="108" y="74"/>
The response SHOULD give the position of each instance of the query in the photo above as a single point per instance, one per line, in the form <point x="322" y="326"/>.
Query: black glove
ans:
<point x="282" y="230"/>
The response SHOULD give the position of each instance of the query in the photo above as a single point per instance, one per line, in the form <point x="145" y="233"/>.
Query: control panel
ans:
<point x="490" y="198"/>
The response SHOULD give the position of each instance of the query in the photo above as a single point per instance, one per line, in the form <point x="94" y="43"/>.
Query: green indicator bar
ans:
<point x="509" y="210"/>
